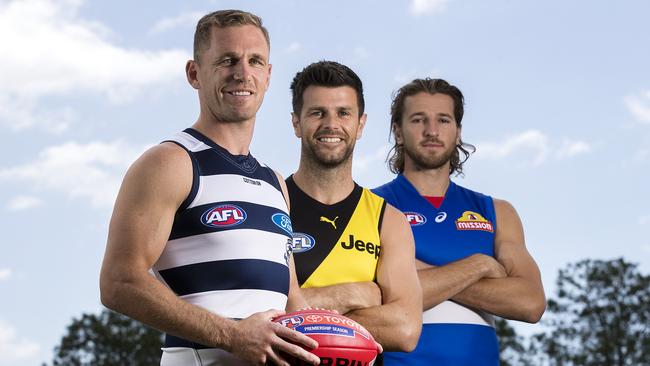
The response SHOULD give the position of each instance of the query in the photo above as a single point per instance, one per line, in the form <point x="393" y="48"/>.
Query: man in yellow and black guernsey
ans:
<point x="353" y="252"/>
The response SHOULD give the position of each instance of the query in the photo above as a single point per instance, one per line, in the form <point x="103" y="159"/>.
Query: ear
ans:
<point x="295" y="121"/>
<point x="458" y="136"/>
<point x="268" y="77"/>
<point x="191" y="72"/>
<point x="397" y="132"/>
<point x="362" y="124"/>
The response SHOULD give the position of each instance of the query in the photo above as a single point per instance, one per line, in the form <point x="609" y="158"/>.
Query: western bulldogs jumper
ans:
<point x="227" y="250"/>
<point x="465" y="223"/>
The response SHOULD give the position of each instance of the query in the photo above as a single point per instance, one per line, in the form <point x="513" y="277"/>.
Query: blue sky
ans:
<point x="557" y="103"/>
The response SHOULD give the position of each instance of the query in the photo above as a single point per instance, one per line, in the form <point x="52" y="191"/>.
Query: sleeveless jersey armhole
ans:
<point x="195" y="178"/>
<point x="381" y="216"/>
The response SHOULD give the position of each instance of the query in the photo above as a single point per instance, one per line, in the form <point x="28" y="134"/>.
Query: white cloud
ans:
<point x="12" y="348"/>
<point x="644" y="220"/>
<point x="639" y="106"/>
<point x="427" y="7"/>
<point x="187" y="19"/>
<point x="572" y="148"/>
<point x="21" y="203"/>
<point x="5" y="273"/>
<point x="294" y="47"/>
<point x="534" y="142"/>
<point x="363" y="162"/>
<point x="54" y="52"/>
<point x="91" y="171"/>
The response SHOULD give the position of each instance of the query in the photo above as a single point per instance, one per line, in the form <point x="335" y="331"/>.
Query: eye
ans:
<point x="445" y="120"/>
<point x="417" y="120"/>
<point x="344" y="113"/>
<point x="228" y="61"/>
<point x="257" y="61"/>
<point x="316" y="114"/>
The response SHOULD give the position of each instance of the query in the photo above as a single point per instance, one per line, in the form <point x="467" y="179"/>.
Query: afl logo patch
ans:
<point x="283" y="222"/>
<point x="223" y="216"/>
<point x="292" y="322"/>
<point x="302" y="242"/>
<point x="415" y="219"/>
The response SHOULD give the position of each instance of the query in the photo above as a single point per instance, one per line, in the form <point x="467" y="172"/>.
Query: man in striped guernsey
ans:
<point x="472" y="261"/>
<point x="353" y="252"/>
<point x="209" y="220"/>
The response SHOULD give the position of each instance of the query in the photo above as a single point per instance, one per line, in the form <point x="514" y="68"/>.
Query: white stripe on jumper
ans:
<point x="223" y="245"/>
<point x="238" y="303"/>
<point x="231" y="187"/>
<point x="451" y="312"/>
<point x="190" y="142"/>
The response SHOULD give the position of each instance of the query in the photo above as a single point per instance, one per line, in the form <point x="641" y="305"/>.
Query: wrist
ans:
<point x="224" y="333"/>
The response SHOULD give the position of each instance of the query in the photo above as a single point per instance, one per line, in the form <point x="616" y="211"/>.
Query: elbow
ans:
<point x="406" y="337"/>
<point x="111" y="291"/>
<point x="534" y="309"/>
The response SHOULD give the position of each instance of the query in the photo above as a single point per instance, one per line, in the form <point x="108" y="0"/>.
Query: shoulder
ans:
<point x="164" y="169"/>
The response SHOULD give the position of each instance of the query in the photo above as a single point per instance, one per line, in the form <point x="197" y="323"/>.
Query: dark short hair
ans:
<point x="223" y="19"/>
<point x="328" y="74"/>
<point x="431" y="86"/>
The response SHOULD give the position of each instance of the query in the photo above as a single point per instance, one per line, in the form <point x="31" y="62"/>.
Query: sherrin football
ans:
<point x="341" y="340"/>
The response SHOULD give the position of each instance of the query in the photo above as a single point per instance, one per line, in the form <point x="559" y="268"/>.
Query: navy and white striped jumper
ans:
<point x="227" y="251"/>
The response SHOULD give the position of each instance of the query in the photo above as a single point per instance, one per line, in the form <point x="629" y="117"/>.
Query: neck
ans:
<point x="233" y="136"/>
<point x="428" y="182"/>
<point x="326" y="185"/>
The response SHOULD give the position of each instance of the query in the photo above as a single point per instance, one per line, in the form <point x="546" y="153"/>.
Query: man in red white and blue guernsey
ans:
<point x="471" y="257"/>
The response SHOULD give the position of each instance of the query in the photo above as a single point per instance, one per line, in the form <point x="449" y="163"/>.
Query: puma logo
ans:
<point x="325" y="219"/>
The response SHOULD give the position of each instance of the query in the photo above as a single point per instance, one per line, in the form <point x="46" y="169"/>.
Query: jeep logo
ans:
<point x="361" y="246"/>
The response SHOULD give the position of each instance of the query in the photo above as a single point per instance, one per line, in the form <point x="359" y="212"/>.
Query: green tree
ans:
<point x="601" y="316"/>
<point x="108" y="339"/>
<point x="511" y="345"/>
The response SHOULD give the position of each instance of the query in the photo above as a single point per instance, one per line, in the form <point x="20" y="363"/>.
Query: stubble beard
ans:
<point x="326" y="162"/>
<point x="423" y="161"/>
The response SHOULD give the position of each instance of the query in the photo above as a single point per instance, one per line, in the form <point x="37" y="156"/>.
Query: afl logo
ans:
<point x="223" y="216"/>
<point x="283" y="222"/>
<point x="415" y="219"/>
<point x="292" y="322"/>
<point x="302" y="242"/>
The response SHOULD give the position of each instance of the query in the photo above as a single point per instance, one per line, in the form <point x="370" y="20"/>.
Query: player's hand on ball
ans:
<point x="259" y="341"/>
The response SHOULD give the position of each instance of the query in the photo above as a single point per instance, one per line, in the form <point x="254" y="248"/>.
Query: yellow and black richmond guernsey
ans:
<point x="335" y="243"/>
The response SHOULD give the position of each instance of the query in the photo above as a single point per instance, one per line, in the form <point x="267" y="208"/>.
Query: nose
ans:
<point x="431" y="128"/>
<point x="242" y="72"/>
<point x="330" y="122"/>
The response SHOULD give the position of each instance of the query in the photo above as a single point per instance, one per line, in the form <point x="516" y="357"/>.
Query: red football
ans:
<point x="341" y="340"/>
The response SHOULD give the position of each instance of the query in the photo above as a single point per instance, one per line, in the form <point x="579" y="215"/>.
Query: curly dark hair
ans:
<point x="432" y="86"/>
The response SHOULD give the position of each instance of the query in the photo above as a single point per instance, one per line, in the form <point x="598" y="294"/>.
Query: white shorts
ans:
<point x="182" y="356"/>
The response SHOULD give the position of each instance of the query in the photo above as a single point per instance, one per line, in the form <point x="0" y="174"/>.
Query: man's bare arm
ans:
<point x="443" y="282"/>
<point x="520" y="295"/>
<point x="396" y="324"/>
<point x="344" y="297"/>
<point x="153" y="189"/>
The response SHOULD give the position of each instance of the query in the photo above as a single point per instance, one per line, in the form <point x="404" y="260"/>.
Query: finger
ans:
<point x="296" y="337"/>
<point x="296" y="351"/>
<point x="380" y="349"/>
<point x="276" y="359"/>
<point x="273" y="313"/>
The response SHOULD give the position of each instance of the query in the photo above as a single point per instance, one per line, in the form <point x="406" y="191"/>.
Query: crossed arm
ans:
<point x="153" y="189"/>
<point x="390" y="308"/>
<point x="510" y="286"/>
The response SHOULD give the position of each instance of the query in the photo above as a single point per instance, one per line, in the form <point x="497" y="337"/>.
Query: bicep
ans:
<point x="151" y="192"/>
<point x="396" y="274"/>
<point x="509" y="243"/>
